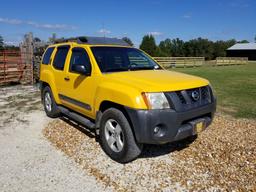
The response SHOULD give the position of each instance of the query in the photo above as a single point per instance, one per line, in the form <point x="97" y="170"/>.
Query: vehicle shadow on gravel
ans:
<point x="159" y="150"/>
<point x="148" y="150"/>
<point x="88" y="132"/>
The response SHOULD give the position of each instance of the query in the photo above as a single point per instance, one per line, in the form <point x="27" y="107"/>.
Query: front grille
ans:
<point x="206" y="94"/>
<point x="182" y="99"/>
<point x="190" y="98"/>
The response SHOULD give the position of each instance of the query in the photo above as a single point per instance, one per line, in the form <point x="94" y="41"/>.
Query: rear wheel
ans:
<point x="116" y="137"/>
<point x="50" y="106"/>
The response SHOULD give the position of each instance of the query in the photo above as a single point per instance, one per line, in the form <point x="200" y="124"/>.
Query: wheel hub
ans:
<point x="114" y="135"/>
<point x="48" y="101"/>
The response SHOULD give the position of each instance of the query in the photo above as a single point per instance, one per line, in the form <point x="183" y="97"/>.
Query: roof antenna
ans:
<point x="104" y="30"/>
<point x="104" y="35"/>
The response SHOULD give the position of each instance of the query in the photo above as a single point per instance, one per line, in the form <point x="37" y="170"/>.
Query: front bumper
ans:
<point x="173" y="125"/>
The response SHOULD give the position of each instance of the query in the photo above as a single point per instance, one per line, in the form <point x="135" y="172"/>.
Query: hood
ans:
<point x="157" y="80"/>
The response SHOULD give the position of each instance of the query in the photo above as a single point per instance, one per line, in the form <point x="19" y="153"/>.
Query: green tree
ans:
<point x="243" y="41"/>
<point x="219" y="49"/>
<point x="255" y="39"/>
<point x="230" y="42"/>
<point x="194" y="48"/>
<point x="1" y="42"/>
<point x="11" y="47"/>
<point x="174" y="47"/>
<point x="199" y="48"/>
<point x="165" y="48"/>
<point x="36" y="39"/>
<point x="148" y="44"/>
<point x="128" y="40"/>
<point x="177" y="47"/>
<point x="53" y="38"/>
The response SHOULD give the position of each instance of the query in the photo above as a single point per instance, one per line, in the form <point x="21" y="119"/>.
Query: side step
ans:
<point x="76" y="117"/>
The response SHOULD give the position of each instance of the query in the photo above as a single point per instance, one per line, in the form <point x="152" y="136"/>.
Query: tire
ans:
<point x="50" y="106"/>
<point x="192" y="138"/>
<point x="116" y="137"/>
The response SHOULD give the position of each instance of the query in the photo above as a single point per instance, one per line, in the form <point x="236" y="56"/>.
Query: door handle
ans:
<point x="66" y="78"/>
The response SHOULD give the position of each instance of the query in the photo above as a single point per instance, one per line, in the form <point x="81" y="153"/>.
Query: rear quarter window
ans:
<point x="47" y="56"/>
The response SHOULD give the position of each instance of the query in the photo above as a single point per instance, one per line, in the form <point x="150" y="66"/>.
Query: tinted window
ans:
<point x="112" y="59"/>
<point x="79" y="57"/>
<point x="60" y="57"/>
<point x="137" y="59"/>
<point x="47" y="55"/>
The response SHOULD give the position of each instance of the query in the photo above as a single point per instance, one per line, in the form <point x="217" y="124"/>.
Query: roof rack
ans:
<point x="94" y="41"/>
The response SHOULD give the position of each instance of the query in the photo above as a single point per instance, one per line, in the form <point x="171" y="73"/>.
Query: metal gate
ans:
<point x="15" y="67"/>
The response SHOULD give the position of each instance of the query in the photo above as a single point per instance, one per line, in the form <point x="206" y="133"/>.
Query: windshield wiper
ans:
<point x="116" y="69"/>
<point x="131" y="68"/>
<point x="141" y="68"/>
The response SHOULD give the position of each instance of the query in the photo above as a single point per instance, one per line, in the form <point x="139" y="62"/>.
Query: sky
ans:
<point x="184" y="19"/>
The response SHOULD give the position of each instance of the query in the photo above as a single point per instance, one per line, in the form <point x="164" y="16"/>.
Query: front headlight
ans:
<point x="212" y="89"/>
<point x="212" y="93"/>
<point x="155" y="100"/>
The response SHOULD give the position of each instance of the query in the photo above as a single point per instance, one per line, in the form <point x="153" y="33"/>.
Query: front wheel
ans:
<point x="50" y="107"/>
<point x="116" y="137"/>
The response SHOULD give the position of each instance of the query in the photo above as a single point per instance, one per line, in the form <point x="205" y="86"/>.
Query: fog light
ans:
<point x="156" y="130"/>
<point x="159" y="130"/>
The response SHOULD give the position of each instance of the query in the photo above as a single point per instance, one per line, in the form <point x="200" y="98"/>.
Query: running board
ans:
<point x="76" y="117"/>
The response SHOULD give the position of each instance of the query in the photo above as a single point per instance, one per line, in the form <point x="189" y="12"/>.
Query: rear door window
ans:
<point x="60" y="57"/>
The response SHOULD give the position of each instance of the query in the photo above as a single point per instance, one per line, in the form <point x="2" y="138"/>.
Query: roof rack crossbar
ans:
<point x="94" y="41"/>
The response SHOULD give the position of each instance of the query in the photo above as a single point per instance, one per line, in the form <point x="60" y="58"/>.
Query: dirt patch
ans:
<point x="222" y="158"/>
<point x="16" y="101"/>
<point x="227" y="110"/>
<point x="28" y="162"/>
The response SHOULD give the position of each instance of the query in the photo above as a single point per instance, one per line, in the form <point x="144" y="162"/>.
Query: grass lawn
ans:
<point x="235" y="87"/>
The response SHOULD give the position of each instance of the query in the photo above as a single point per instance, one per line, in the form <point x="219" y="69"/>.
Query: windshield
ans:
<point x="112" y="59"/>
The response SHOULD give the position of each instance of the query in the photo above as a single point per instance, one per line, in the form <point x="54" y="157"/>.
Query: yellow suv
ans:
<point x="123" y="94"/>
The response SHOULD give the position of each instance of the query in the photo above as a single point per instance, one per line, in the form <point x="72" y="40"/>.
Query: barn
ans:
<point x="242" y="50"/>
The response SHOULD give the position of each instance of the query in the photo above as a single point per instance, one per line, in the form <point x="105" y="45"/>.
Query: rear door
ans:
<point x="59" y="64"/>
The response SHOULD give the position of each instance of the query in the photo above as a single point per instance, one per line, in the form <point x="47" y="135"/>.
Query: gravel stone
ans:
<point x="222" y="158"/>
<point x="41" y="154"/>
<point x="28" y="162"/>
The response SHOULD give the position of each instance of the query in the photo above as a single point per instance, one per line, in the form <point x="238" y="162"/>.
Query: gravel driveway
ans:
<point x="28" y="162"/>
<point x="40" y="154"/>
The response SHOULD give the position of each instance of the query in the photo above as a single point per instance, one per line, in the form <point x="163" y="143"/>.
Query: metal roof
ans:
<point x="95" y="41"/>
<point x="243" y="46"/>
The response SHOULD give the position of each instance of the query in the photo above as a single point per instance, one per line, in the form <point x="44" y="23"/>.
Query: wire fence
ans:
<point x="23" y="67"/>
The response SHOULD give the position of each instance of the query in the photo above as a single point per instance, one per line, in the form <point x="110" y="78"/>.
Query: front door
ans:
<point x="79" y="88"/>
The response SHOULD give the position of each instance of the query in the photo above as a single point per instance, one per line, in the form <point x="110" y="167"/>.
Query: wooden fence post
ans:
<point x="4" y="57"/>
<point x="27" y="52"/>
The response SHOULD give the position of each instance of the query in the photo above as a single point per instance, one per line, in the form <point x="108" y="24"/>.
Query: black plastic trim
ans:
<point x="77" y="117"/>
<point x="176" y="125"/>
<point x="186" y="102"/>
<point x="75" y="102"/>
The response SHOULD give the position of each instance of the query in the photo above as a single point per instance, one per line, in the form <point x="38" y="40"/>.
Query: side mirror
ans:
<point x="81" y="70"/>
